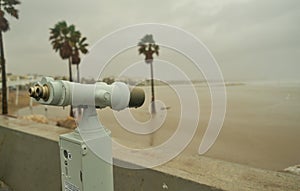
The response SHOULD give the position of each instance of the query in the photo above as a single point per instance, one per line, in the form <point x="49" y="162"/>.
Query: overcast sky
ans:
<point x="250" y="39"/>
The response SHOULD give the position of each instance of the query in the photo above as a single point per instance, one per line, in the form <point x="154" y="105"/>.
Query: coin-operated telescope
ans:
<point x="118" y="95"/>
<point x="86" y="153"/>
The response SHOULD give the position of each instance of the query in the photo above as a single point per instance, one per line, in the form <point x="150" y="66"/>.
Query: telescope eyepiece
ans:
<point x="31" y="91"/>
<point x="137" y="97"/>
<point x="39" y="92"/>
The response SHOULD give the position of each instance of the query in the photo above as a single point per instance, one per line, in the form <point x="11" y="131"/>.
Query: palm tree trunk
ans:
<point x="78" y="81"/>
<point x="71" y="80"/>
<point x="153" y="110"/>
<point x="70" y="70"/>
<point x="78" y="77"/>
<point x="4" y="85"/>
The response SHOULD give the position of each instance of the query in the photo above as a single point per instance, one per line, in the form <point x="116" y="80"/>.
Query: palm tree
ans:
<point x="79" y="45"/>
<point x="69" y="42"/>
<point x="6" y="6"/>
<point x="148" y="48"/>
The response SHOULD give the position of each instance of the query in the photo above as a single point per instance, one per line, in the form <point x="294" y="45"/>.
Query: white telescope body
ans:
<point x="118" y="95"/>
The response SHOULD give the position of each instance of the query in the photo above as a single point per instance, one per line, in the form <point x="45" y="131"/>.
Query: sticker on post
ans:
<point x="70" y="187"/>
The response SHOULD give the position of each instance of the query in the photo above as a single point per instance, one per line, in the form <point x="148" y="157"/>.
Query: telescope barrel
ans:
<point x="118" y="95"/>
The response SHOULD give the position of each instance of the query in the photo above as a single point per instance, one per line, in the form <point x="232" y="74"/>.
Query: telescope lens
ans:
<point x="31" y="91"/>
<point x="137" y="97"/>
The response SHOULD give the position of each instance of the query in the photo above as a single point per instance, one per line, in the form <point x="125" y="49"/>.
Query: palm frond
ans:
<point x="156" y="49"/>
<point x="83" y="50"/>
<point x="82" y="40"/>
<point x="8" y="7"/>
<point x="142" y="49"/>
<point x="61" y="24"/>
<point x="55" y="33"/>
<point x="71" y="28"/>
<point x="12" y="11"/>
<point x="85" y="44"/>
<point x="10" y="2"/>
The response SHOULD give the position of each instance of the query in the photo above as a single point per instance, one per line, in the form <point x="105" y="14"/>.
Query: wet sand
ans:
<point x="261" y="127"/>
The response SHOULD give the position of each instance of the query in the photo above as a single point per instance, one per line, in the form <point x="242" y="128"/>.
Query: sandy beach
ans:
<point x="261" y="127"/>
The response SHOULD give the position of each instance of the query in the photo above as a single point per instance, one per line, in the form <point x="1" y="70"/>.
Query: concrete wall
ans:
<point x="29" y="161"/>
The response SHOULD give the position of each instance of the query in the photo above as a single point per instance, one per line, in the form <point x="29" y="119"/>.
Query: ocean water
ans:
<point x="261" y="126"/>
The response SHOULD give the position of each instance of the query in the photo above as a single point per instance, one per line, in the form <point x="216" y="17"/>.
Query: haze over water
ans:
<point x="261" y="126"/>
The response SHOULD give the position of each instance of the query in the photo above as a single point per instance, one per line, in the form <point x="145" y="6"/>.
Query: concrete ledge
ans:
<point x="149" y="180"/>
<point x="29" y="160"/>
